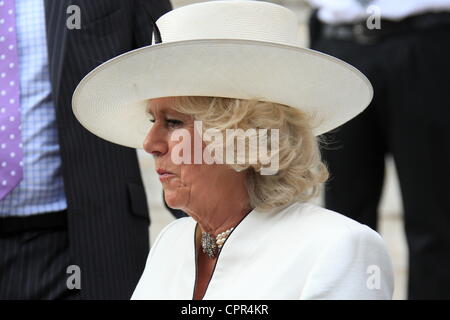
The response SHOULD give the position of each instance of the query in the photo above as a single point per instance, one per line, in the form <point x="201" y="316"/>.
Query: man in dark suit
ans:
<point x="88" y="230"/>
<point x="406" y="60"/>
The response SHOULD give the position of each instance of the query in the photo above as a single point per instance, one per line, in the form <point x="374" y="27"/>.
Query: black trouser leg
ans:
<point x="419" y="84"/>
<point x="33" y="265"/>
<point x="355" y="152"/>
<point x="356" y="164"/>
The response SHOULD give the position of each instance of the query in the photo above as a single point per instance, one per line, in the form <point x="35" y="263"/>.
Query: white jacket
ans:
<point x="297" y="252"/>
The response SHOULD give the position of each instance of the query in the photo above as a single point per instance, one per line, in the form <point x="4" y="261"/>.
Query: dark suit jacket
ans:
<point x="107" y="208"/>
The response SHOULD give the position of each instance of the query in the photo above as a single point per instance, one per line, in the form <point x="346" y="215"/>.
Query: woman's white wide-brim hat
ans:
<point x="235" y="49"/>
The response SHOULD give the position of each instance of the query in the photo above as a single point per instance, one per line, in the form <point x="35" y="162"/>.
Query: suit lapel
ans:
<point x="55" y="17"/>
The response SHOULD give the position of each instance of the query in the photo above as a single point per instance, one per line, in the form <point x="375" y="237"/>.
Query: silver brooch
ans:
<point x="211" y="245"/>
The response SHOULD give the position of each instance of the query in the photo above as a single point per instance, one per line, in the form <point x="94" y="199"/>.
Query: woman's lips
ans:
<point x="164" y="174"/>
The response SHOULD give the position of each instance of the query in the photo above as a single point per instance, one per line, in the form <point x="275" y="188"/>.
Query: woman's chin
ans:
<point x="172" y="200"/>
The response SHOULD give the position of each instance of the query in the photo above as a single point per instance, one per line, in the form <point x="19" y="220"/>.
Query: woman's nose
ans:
<point x="155" y="142"/>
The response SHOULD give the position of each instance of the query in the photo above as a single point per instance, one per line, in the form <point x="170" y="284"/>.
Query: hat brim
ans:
<point x="111" y="100"/>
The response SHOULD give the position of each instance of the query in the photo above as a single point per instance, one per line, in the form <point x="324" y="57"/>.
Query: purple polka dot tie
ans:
<point x="11" y="172"/>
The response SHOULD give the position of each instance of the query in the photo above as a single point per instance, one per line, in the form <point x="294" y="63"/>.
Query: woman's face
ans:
<point x="186" y="186"/>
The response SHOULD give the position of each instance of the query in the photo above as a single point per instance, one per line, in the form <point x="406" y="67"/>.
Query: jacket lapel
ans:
<point x="55" y="17"/>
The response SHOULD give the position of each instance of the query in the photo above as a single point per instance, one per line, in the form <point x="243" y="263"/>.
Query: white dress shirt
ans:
<point x="347" y="11"/>
<point x="297" y="252"/>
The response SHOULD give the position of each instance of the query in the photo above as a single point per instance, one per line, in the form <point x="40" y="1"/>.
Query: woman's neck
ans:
<point x="220" y="217"/>
<point x="223" y="207"/>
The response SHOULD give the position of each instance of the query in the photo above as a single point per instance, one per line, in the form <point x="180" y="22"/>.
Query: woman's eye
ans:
<point x="172" y="123"/>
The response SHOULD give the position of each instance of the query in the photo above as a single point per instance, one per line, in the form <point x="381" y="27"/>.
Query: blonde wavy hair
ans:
<point x="301" y="170"/>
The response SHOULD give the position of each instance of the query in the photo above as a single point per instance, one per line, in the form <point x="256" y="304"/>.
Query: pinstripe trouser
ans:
<point x="33" y="265"/>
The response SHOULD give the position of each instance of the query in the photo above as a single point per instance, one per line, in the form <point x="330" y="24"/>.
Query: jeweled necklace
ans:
<point x="211" y="245"/>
